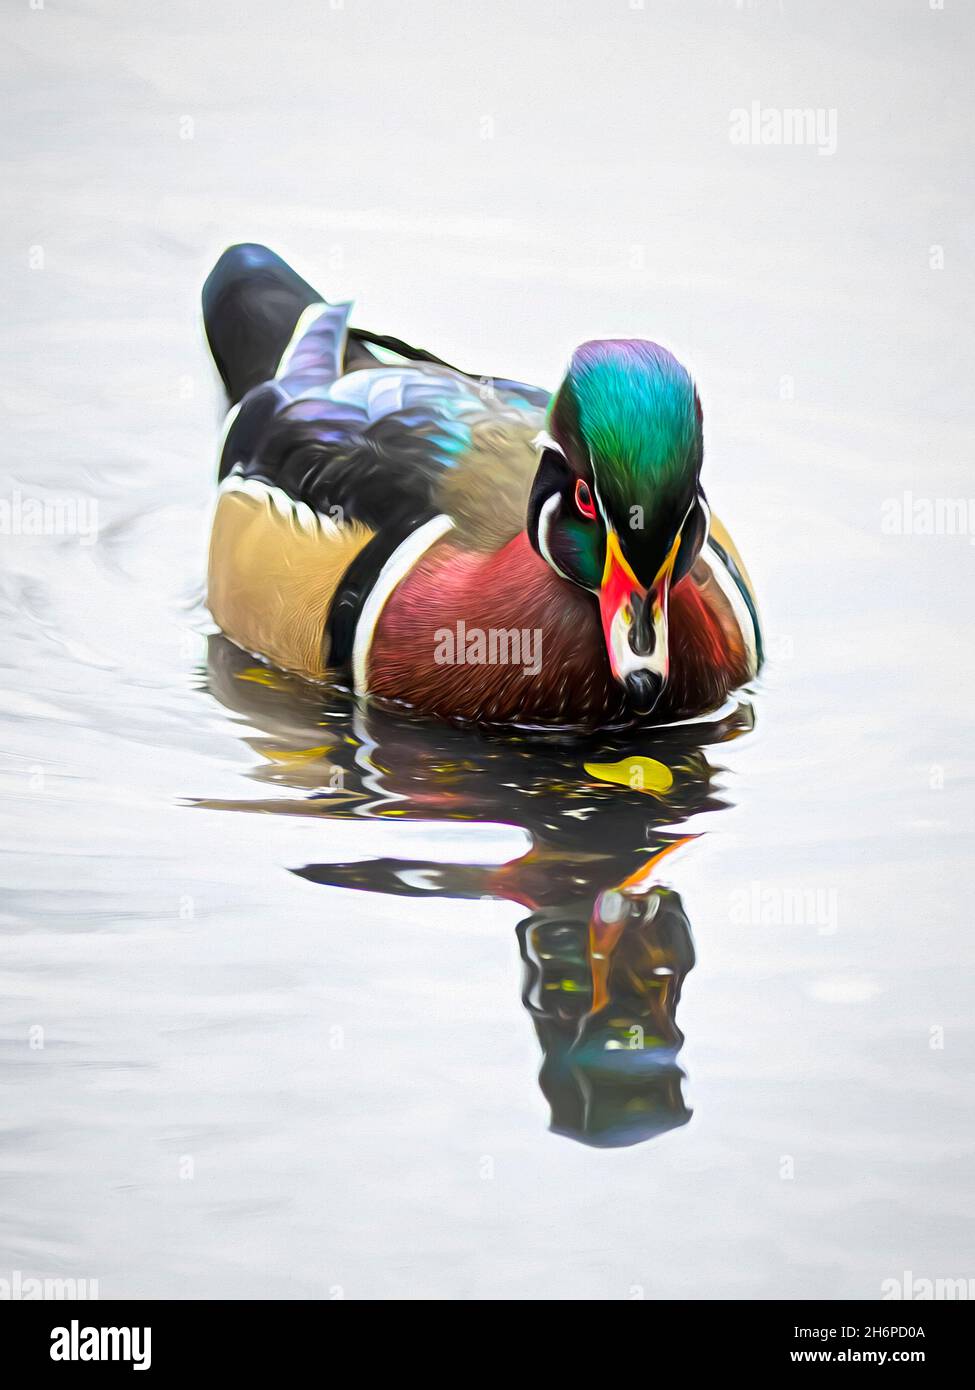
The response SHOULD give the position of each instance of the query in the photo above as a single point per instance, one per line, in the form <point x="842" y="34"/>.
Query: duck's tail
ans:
<point x="252" y="301"/>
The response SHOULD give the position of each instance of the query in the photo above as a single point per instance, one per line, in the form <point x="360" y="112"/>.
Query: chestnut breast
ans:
<point x="494" y="637"/>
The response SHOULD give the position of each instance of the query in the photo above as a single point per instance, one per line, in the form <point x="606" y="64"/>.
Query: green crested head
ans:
<point x="616" y="505"/>
<point x="629" y="409"/>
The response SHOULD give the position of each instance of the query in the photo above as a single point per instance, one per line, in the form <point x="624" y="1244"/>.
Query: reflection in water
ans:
<point x="605" y="945"/>
<point x="603" y="996"/>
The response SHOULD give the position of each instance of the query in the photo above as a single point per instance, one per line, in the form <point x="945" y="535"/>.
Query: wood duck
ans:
<point x="467" y="547"/>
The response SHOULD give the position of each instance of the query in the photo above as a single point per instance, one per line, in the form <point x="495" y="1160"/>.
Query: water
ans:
<point x="300" y="998"/>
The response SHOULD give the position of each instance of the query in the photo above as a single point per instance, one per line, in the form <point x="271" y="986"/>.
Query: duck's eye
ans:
<point x="584" y="500"/>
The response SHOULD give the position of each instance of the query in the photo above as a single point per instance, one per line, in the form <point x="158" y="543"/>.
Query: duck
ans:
<point x="466" y="547"/>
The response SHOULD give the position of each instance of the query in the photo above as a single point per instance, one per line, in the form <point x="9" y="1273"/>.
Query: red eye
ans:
<point x="584" y="500"/>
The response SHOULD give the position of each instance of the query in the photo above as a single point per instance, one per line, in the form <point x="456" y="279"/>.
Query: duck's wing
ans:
<point x="387" y="446"/>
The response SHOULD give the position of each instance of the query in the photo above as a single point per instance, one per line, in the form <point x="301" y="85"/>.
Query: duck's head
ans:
<point x="616" y="505"/>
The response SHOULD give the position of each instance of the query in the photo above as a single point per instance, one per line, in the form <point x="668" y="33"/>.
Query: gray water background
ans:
<point x="350" y="1077"/>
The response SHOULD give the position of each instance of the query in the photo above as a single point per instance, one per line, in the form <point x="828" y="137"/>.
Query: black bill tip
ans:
<point x="643" y="689"/>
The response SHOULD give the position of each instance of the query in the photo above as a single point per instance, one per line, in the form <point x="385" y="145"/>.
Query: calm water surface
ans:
<point x="300" y="997"/>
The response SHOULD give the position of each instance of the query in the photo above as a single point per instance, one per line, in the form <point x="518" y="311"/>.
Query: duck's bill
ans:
<point x="635" y="626"/>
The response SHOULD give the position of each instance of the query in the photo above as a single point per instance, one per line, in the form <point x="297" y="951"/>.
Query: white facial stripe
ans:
<point x="543" y="440"/>
<point x="545" y="519"/>
<point x="599" y="502"/>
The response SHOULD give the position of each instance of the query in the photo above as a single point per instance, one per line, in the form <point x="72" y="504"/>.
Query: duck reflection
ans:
<point x="605" y="944"/>
<point x="603" y="998"/>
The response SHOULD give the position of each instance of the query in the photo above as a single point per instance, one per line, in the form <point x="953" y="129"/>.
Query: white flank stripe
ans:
<point x="393" y="572"/>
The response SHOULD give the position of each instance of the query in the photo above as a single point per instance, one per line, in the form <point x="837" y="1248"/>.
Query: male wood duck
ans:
<point x="469" y="548"/>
